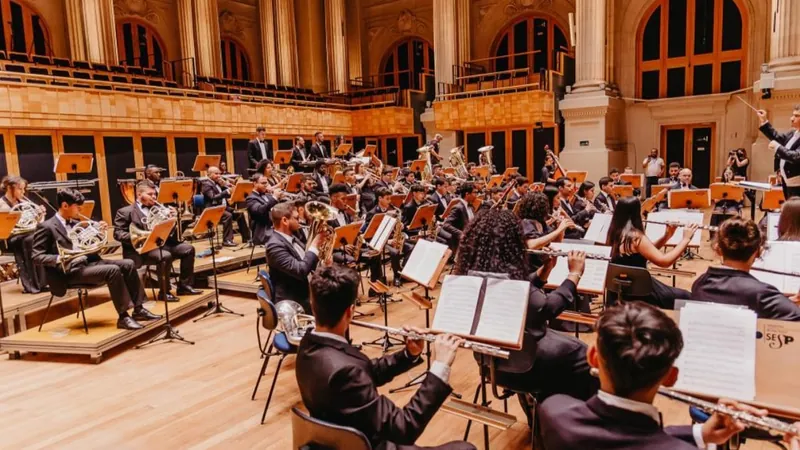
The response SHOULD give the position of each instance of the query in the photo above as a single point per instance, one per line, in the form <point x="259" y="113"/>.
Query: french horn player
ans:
<point x="21" y="240"/>
<point x="132" y="225"/>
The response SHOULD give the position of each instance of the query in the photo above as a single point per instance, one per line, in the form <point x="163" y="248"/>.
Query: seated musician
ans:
<point x="386" y="180"/>
<point x="120" y="275"/>
<point x="366" y="185"/>
<point x="630" y="246"/>
<point x="684" y="180"/>
<point x="614" y="174"/>
<point x="567" y="199"/>
<point x="739" y="244"/>
<point x="438" y="171"/>
<point x="789" y="221"/>
<point x="725" y="208"/>
<point x="534" y="212"/>
<point x="549" y="362"/>
<point x="216" y="191"/>
<point x="548" y="171"/>
<point x="472" y="170"/>
<point x="287" y="258"/>
<point x="439" y="196"/>
<point x="384" y="206"/>
<point x="32" y="276"/>
<point x="346" y="216"/>
<point x="674" y="170"/>
<point x="172" y="249"/>
<point x="308" y="188"/>
<point x="461" y="214"/>
<point x="409" y="179"/>
<point x="153" y="174"/>
<point x="267" y="168"/>
<point x="635" y="351"/>
<point x="322" y="179"/>
<point x="495" y="196"/>
<point x="522" y="188"/>
<point x="583" y="201"/>
<point x="259" y="206"/>
<point x="300" y="156"/>
<point x="605" y="202"/>
<point x="339" y="384"/>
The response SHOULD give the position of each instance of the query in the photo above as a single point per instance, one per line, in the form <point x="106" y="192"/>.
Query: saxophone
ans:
<point x="359" y="244"/>
<point x="399" y="238"/>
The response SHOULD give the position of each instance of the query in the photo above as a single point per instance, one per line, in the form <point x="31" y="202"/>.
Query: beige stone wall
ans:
<point x="386" y="22"/>
<point x="239" y="20"/>
<point x="54" y="15"/>
<point x="162" y="15"/>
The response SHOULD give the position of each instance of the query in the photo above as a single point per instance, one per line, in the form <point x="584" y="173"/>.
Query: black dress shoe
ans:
<point x="188" y="290"/>
<point x="128" y="323"/>
<point x="169" y="297"/>
<point x="143" y="314"/>
<point x="229" y="244"/>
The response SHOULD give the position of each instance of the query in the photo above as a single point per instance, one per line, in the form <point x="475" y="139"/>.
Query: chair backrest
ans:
<point x="311" y="433"/>
<point x="266" y="283"/>
<point x="269" y="319"/>
<point x="629" y="281"/>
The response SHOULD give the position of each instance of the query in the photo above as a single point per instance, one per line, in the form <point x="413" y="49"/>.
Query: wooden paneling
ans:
<point x="497" y="111"/>
<point x="85" y="143"/>
<point x="380" y="122"/>
<point x="119" y="154"/>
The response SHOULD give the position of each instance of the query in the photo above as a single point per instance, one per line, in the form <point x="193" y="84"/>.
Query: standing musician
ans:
<point x="339" y="384"/>
<point x="258" y="148"/>
<point x="120" y="275"/>
<point x="635" y="351"/>
<point x="216" y="191"/>
<point x="461" y="214"/>
<point x="435" y="156"/>
<point x="520" y="189"/>
<point x="789" y="221"/>
<point x="439" y="196"/>
<point x="322" y="179"/>
<point x="287" y="258"/>
<point x="739" y="245"/>
<point x="548" y="170"/>
<point x="605" y="201"/>
<point x="384" y="206"/>
<point x="318" y="150"/>
<point x="259" y="207"/>
<point x="31" y="276"/>
<point x="653" y="167"/>
<point x="787" y="151"/>
<point x="162" y="258"/>
<point x="300" y="155"/>
<point x="674" y="170"/>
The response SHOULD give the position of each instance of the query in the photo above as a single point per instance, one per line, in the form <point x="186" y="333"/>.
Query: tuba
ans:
<point x="485" y="157"/>
<point x="457" y="162"/>
<point x="87" y="237"/>
<point x="30" y="216"/>
<point x="320" y="214"/>
<point x="427" y="172"/>
<point x="158" y="214"/>
<point x="293" y="320"/>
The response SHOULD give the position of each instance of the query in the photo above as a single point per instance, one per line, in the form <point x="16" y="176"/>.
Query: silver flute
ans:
<point x="681" y="224"/>
<point x="477" y="347"/>
<point x="560" y="254"/>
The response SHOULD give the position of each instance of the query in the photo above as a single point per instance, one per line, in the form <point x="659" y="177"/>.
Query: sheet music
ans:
<point x="383" y="233"/>
<point x="719" y="351"/>
<point x="424" y="260"/>
<point x="458" y="299"/>
<point x="783" y="256"/>
<point x="594" y="276"/>
<point x="655" y="231"/>
<point x="772" y="226"/>
<point x="598" y="229"/>
<point x="504" y="309"/>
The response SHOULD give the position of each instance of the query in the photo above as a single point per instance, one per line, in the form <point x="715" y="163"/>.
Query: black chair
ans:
<point x="42" y="59"/>
<point x="627" y="281"/>
<point x="117" y="69"/>
<point x="139" y="81"/>
<point x="309" y="433"/>
<point x="61" y="73"/>
<point x="82" y="65"/>
<point x="39" y="70"/>
<point x="15" y="68"/>
<point x="134" y="70"/>
<point x="83" y="298"/>
<point x="19" y="57"/>
<point x="62" y="62"/>
<point x="119" y="79"/>
<point x="81" y="75"/>
<point x="158" y="83"/>
<point x="100" y="77"/>
<point x="171" y="84"/>
<point x="100" y="66"/>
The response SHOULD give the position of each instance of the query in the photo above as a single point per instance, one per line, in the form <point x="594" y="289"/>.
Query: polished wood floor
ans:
<point x="198" y="396"/>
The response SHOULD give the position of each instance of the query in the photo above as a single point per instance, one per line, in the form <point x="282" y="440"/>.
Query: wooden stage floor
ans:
<point x="239" y="281"/>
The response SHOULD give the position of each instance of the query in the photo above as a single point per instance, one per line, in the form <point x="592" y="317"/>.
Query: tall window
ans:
<point x="405" y="61"/>
<point x="235" y="63"/>
<point x="139" y="45"/>
<point x="691" y="47"/>
<point x="24" y="30"/>
<point x="532" y="42"/>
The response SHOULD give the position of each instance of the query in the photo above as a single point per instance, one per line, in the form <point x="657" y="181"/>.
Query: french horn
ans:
<point x="87" y="237"/>
<point x="158" y="213"/>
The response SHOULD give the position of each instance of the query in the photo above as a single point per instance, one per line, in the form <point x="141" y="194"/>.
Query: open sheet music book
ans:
<point x="598" y="229"/>
<point x="719" y="351"/>
<point x="772" y="226"/>
<point x="655" y="231"/>
<point x="785" y="257"/>
<point x="594" y="276"/>
<point x="384" y="232"/>
<point x="426" y="263"/>
<point x="488" y="310"/>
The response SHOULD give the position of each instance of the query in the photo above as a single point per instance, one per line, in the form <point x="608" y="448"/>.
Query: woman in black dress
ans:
<point x="31" y="276"/>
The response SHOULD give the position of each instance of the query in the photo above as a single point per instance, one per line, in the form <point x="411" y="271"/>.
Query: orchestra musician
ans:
<point x="322" y="179"/>
<point x="674" y="170"/>
<point x="409" y="179"/>
<point x="258" y="149"/>
<point x="153" y="174"/>
<point x="345" y="217"/>
<point x="287" y="258"/>
<point x="549" y="362"/>
<point x="300" y="156"/>
<point x="635" y="353"/>
<point x="435" y="155"/>
<point x="605" y="202"/>
<point x="566" y="201"/>
<point x="216" y="191"/>
<point x="309" y="189"/>
<point x="439" y="196"/>
<point x="684" y="180"/>
<point x="548" y="170"/>
<point x="161" y="258"/>
<point x="739" y="244"/>
<point x="386" y="180"/>
<point x="267" y="169"/>
<point x="318" y="149"/>
<point x="534" y="210"/>
<point x="438" y="171"/>
<point x="259" y="207"/>
<point x="494" y="196"/>
<point x="339" y="384"/>
<point x="384" y="206"/>
<point x="614" y="174"/>
<point x="120" y="275"/>
<point x="787" y="151"/>
<point x="520" y="189"/>
<point x="630" y="246"/>
<point x="461" y="214"/>
<point x="31" y="276"/>
<point x="223" y="168"/>
<point x="582" y="201"/>
<point x="789" y="221"/>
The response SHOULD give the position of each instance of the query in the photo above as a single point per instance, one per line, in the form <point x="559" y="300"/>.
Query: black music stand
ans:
<point x="207" y="223"/>
<point x="8" y="220"/>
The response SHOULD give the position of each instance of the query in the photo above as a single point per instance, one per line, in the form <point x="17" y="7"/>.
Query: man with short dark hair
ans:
<point x="384" y="206"/>
<point x="258" y="149"/>
<point x="461" y="214"/>
<point x="653" y="168"/>
<point x="566" y="193"/>
<point x="674" y="170"/>
<point x="121" y="276"/>
<point x="152" y="173"/>
<point x="217" y="192"/>
<point x="522" y="188"/>
<point x="300" y="155"/>
<point x="318" y="150"/>
<point x="787" y="151"/>
<point x="439" y="196"/>
<point x="338" y="383"/>
<point x="322" y="178"/>
<point x="636" y="347"/>
<point x="604" y="201"/>
<point x="259" y="207"/>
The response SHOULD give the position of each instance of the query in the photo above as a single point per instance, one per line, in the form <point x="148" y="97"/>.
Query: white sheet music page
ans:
<point x="594" y="276"/>
<point x="455" y="309"/>
<point x="785" y="257"/>
<point x="504" y="310"/>
<point x="598" y="229"/>
<point x="772" y="226"/>
<point x="719" y="351"/>
<point x="424" y="260"/>
<point x="655" y="231"/>
<point x="382" y="234"/>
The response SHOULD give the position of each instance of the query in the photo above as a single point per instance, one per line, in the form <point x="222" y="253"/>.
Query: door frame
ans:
<point x="687" y="145"/>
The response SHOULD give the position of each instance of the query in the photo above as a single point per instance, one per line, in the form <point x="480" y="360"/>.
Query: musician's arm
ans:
<point x="257" y="208"/>
<point x="42" y="242"/>
<point x="789" y="155"/>
<point x="769" y="131"/>
<point x="385" y="368"/>
<point x="122" y="224"/>
<point x="251" y="153"/>
<point x="449" y="223"/>
<point x="772" y="304"/>
<point x="279" y="257"/>
<point x="655" y="256"/>
<point x="544" y="241"/>
<point x="550" y="305"/>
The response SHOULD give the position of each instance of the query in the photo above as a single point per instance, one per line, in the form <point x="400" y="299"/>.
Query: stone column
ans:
<point x="287" y="42"/>
<point x="590" y="51"/>
<point x="338" y="78"/>
<point x="101" y="34"/>
<point x="355" y="42"/>
<point x="187" y="41"/>
<point x="266" y="13"/>
<point x="207" y="40"/>
<point x="75" y="29"/>
<point x="785" y="39"/>
<point x="463" y="31"/>
<point x="444" y="39"/>
<point x="313" y="72"/>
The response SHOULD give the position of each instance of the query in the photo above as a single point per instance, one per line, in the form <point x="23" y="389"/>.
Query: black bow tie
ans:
<point x="71" y="223"/>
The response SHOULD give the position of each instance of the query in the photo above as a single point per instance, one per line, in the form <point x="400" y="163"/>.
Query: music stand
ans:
<point x="577" y="176"/>
<point x="635" y="179"/>
<point x="203" y="162"/>
<point x="773" y="200"/>
<point x="87" y="208"/>
<point x="450" y="207"/>
<point x="74" y="163"/>
<point x="423" y="217"/>
<point x="338" y="177"/>
<point x="342" y="150"/>
<point x="418" y="165"/>
<point x="178" y="192"/>
<point x="8" y="220"/>
<point x="723" y="191"/>
<point x="351" y="200"/>
<point x="346" y="235"/>
<point x="654" y="190"/>
<point x="482" y="171"/>
<point x="397" y="200"/>
<point x="688" y="198"/>
<point x="395" y="173"/>
<point x="511" y="172"/>
<point x="369" y="150"/>
<point x="495" y="180"/>
<point x="283" y="157"/>
<point x="622" y="191"/>
<point x="207" y="223"/>
<point x="373" y="226"/>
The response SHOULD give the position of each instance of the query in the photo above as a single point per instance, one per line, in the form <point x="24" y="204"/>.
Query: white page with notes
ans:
<point x="598" y="229"/>
<point x="783" y="256"/>
<point x="458" y="300"/>
<point x="594" y="276"/>
<point x="504" y="309"/>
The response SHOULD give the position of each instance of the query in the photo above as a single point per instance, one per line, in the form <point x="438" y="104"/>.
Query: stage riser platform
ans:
<point x="239" y="282"/>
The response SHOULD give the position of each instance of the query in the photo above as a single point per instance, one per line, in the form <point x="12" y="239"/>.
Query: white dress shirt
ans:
<point x="470" y="214"/>
<point x="263" y="146"/>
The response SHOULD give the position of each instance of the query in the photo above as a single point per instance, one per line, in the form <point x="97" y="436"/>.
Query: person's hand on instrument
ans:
<point x="670" y="231"/>
<point x="719" y="428"/>
<point x="576" y="262"/>
<point x="688" y="231"/>
<point x="793" y="439"/>
<point x="445" y="347"/>
<point x="762" y="116"/>
<point x="414" y="346"/>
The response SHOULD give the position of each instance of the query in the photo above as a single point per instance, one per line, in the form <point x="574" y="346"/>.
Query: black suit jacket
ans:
<point x="318" y="188"/>
<point x="48" y="236"/>
<point x="259" y="208"/>
<point x="677" y="186"/>
<point x="601" y="202"/>
<point x="210" y="194"/>
<point x="456" y="221"/>
<point x="319" y="151"/>
<point x="567" y="423"/>
<point x="734" y="287"/>
<point x="791" y="155"/>
<point x="577" y="211"/>
<point x="437" y="199"/>
<point x="126" y="216"/>
<point x="288" y="272"/>
<point x="338" y="384"/>
<point x="254" y="152"/>
<point x="297" y="158"/>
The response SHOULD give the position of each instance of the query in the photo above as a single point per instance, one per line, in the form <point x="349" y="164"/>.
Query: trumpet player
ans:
<point x="162" y="258"/>
<point x="32" y="276"/>
<point x="216" y="191"/>
<point x="339" y="384"/>
<point x="259" y="206"/>
<point x="120" y="275"/>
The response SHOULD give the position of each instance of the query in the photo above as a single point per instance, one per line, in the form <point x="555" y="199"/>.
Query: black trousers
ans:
<point x="121" y="278"/>
<point x="790" y="191"/>
<point x="183" y="252"/>
<point x="32" y="276"/>
<point x="227" y="225"/>
<point x="651" y="181"/>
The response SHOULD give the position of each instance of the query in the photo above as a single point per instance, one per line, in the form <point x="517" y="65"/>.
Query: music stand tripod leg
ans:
<point x="386" y="341"/>
<point x="419" y="378"/>
<point x="217" y="308"/>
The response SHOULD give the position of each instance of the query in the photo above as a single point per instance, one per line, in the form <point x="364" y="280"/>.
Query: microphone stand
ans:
<point x="216" y="307"/>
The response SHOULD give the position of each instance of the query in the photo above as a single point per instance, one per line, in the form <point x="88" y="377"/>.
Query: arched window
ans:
<point x="532" y="41"/>
<point x="405" y="61"/>
<point x="138" y="44"/>
<point x="235" y="63"/>
<point x="691" y="47"/>
<point x="24" y="30"/>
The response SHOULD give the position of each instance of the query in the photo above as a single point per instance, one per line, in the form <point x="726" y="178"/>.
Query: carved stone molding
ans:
<point x="408" y="23"/>
<point x="230" y="25"/>
<point x="578" y="113"/>
<point x="515" y="7"/>
<point x="137" y="8"/>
